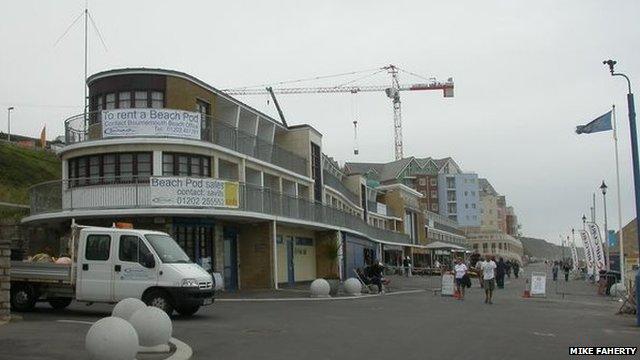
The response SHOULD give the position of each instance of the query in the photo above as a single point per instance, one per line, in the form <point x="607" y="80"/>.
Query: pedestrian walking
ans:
<point x="479" y="271"/>
<point x="566" y="267"/>
<point x="406" y="263"/>
<point x="501" y="269"/>
<point x="554" y="270"/>
<point x="488" y="279"/>
<point x="516" y="269"/>
<point x="460" y="270"/>
<point x="508" y="268"/>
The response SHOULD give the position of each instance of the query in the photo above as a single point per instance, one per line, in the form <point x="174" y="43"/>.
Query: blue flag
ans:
<point x="602" y="123"/>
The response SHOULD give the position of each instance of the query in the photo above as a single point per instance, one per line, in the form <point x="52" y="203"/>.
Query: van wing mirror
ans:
<point x="149" y="261"/>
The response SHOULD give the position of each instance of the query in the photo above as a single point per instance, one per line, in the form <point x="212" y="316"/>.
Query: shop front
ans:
<point x="358" y="253"/>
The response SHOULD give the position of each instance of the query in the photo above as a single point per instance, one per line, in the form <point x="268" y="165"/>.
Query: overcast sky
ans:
<point x="526" y="73"/>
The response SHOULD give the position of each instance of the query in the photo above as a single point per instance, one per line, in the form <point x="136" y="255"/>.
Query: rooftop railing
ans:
<point x="212" y="131"/>
<point x="134" y="193"/>
<point x="332" y="181"/>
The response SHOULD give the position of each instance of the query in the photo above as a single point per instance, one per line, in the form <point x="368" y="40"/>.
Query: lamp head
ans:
<point x="10" y="108"/>
<point x="603" y="187"/>
<point x="584" y="218"/>
<point x="610" y="63"/>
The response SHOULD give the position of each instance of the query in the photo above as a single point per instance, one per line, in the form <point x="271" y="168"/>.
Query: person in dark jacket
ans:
<point x="501" y="270"/>
<point x="554" y="270"/>
<point x="375" y="275"/>
<point x="567" y="268"/>
<point x="516" y="269"/>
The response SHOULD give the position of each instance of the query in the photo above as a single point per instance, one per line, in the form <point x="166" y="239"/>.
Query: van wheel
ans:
<point x="23" y="297"/>
<point x="188" y="310"/>
<point x="60" y="303"/>
<point x="159" y="299"/>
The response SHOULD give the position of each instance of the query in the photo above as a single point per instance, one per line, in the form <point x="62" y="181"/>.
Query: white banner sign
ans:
<point x="538" y="284"/>
<point x="447" y="288"/>
<point x="193" y="192"/>
<point x="150" y="122"/>
<point x="588" y="254"/>
<point x="594" y="232"/>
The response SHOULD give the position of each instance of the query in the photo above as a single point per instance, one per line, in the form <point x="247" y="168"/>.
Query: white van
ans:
<point x="111" y="264"/>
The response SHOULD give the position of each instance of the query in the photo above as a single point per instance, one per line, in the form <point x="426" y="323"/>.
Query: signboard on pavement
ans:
<point x="538" y="284"/>
<point x="193" y="192"/>
<point x="447" y="288"/>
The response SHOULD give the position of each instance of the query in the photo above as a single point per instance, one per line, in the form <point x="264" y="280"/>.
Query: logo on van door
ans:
<point x="133" y="273"/>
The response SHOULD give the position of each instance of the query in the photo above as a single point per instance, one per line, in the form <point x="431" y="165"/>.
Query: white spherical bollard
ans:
<point x="352" y="286"/>
<point x="618" y="290"/>
<point x="153" y="326"/>
<point x="111" y="338"/>
<point x="320" y="288"/>
<point x="126" y="307"/>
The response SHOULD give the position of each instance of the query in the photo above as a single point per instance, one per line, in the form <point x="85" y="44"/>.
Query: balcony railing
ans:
<point x="212" y="131"/>
<point x="332" y="181"/>
<point x="134" y="193"/>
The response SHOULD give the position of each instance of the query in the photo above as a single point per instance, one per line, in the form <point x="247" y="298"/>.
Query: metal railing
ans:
<point x="212" y="131"/>
<point x="134" y="193"/>
<point x="332" y="181"/>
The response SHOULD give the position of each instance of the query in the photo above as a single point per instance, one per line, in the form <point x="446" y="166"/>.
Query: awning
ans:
<point x="443" y="245"/>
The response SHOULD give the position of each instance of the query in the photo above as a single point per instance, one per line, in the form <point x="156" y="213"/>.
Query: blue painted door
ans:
<point x="230" y="243"/>
<point x="290" y="267"/>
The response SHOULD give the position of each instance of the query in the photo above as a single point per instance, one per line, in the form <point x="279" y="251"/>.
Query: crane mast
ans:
<point x="392" y="92"/>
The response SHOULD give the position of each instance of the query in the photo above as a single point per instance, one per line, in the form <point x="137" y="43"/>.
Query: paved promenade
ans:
<point x="413" y="325"/>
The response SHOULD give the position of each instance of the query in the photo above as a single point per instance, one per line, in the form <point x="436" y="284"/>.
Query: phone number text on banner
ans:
<point x="193" y="192"/>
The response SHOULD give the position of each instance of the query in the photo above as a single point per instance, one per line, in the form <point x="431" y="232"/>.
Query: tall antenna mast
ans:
<point x="86" y="43"/>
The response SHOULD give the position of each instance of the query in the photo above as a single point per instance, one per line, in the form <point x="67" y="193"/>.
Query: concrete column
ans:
<point x="157" y="163"/>
<point x="5" y="279"/>
<point x="216" y="172"/>
<point x="274" y="253"/>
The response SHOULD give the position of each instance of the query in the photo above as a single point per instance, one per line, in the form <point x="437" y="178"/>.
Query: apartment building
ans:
<point x="460" y="198"/>
<point x="242" y="193"/>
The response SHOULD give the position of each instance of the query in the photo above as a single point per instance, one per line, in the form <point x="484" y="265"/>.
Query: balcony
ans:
<point x="332" y="181"/>
<point x="211" y="131"/>
<point x="133" y="193"/>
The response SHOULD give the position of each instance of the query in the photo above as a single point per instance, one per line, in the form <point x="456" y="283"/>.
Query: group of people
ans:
<point x="490" y="274"/>
<point x="564" y="265"/>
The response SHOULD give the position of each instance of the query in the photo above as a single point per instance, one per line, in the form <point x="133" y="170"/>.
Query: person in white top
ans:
<point x="489" y="279"/>
<point x="460" y="270"/>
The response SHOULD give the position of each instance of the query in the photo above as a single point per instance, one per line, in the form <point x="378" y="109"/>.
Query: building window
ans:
<point x="434" y="194"/>
<point x="434" y="182"/>
<point x="124" y="100"/>
<point x="423" y="181"/>
<point x="434" y="207"/>
<point x="473" y="206"/>
<point x="109" y="168"/>
<point x="300" y="241"/>
<point x="140" y="99"/>
<point x="157" y="99"/>
<point x="485" y="247"/>
<point x="186" y="165"/>
<point x="110" y="101"/>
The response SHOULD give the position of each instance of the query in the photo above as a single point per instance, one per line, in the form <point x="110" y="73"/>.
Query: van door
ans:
<point x="95" y="269"/>
<point x="131" y="277"/>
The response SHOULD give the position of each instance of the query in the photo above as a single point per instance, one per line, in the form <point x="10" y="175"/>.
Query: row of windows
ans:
<point x="186" y="165"/>
<point x="125" y="167"/>
<point x="423" y="182"/>
<point x="501" y="246"/>
<point x="130" y="99"/>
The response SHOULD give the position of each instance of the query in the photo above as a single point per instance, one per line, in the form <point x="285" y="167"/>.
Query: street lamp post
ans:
<point x="603" y="187"/>
<point x="9" y="122"/>
<point x="636" y="166"/>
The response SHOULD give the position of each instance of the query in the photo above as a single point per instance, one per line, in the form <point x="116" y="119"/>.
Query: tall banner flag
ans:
<point x="574" y="255"/>
<point x="602" y="123"/>
<point x="596" y="239"/>
<point x="587" y="251"/>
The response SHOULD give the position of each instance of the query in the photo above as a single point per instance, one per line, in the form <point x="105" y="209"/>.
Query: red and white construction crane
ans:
<point x="392" y="92"/>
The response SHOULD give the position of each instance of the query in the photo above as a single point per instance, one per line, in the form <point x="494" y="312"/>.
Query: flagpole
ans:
<point x="620" y="236"/>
